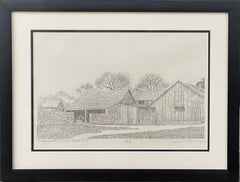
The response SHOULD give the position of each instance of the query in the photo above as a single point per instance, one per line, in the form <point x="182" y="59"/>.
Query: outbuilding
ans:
<point x="52" y="105"/>
<point x="180" y="103"/>
<point x="146" y="112"/>
<point x="105" y="107"/>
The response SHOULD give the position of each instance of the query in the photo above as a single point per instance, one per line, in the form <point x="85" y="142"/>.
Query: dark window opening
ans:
<point x="179" y="108"/>
<point x="141" y="102"/>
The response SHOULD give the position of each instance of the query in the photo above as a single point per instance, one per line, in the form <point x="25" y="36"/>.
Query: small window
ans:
<point x="141" y="102"/>
<point x="179" y="108"/>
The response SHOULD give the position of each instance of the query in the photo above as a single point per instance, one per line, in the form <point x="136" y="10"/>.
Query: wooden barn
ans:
<point x="180" y="103"/>
<point x="52" y="105"/>
<point x="146" y="112"/>
<point x="103" y="107"/>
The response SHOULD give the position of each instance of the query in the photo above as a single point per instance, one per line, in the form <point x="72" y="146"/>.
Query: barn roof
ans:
<point x="188" y="86"/>
<point x="51" y="104"/>
<point x="196" y="89"/>
<point x="146" y="95"/>
<point x="97" y="100"/>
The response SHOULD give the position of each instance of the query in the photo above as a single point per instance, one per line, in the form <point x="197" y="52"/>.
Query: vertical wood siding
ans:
<point x="146" y="115"/>
<point x="180" y="104"/>
<point x="128" y="114"/>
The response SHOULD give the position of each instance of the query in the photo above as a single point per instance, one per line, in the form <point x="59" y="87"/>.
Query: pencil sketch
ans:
<point x="130" y="106"/>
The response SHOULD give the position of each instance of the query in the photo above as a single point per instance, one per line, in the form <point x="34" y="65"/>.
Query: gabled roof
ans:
<point x="146" y="95"/>
<point x="51" y="104"/>
<point x="196" y="89"/>
<point x="188" y="86"/>
<point x="97" y="100"/>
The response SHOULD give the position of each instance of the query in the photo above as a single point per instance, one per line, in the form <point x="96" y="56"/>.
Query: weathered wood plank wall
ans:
<point x="180" y="104"/>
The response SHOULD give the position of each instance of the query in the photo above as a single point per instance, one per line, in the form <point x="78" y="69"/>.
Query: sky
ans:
<point x="64" y="61"/>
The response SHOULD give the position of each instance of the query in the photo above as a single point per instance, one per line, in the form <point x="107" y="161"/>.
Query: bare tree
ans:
<point x="84" y="87"/>
<point x="113" y="81"/>
<point x="151" y="82"/>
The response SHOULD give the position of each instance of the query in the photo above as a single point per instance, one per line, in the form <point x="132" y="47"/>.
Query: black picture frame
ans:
<point x="9" y="6"/>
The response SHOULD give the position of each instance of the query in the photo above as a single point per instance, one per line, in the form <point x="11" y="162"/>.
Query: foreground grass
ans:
<point x="181" y="133"/>
<point x="65" y="131"/>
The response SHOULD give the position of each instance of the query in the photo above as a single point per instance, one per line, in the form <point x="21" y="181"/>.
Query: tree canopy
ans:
<point x="113" y="81"/>
<point x="84" y="87"/>
<point x="151" y="82"/>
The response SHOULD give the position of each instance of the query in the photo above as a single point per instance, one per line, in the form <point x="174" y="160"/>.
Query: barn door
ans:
<point x="179" y="113"/>
<point x="131" y="115"/>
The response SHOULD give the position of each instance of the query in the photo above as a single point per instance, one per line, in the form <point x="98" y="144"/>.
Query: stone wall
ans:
<point x="54" y="117"/>
<point x="111" y="116"/>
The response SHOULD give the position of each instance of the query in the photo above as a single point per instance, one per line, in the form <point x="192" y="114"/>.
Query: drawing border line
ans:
<point x="117" y="150"/>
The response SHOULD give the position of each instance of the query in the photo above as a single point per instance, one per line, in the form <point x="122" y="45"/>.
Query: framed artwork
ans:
<point x="119" y="90"/>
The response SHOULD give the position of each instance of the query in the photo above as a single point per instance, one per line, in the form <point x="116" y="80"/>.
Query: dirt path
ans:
<point x="146" y="128"/>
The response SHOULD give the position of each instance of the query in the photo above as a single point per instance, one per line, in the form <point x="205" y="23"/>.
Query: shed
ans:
<point x="180" y="103"/>
<point x="146" y="112"/>
<point x="52" y="105"/>
<point x="105" y="107"/>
